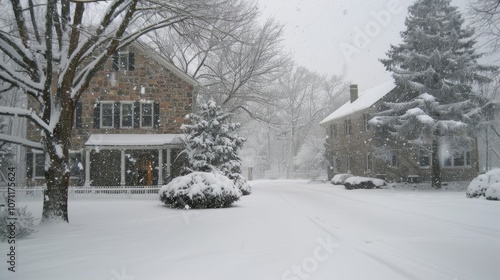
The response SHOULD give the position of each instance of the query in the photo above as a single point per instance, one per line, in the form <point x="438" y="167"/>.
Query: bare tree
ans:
<point x="485" y="15"/>
<point x="235" y="60"/>
<point x="307" y="97"/>
<point x="52" y="49"/>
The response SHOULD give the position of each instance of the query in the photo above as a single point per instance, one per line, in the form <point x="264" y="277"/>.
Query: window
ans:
<point x="349" y="162"/>
<point x="424" y="159"/>
<point x="462" y="158"/>
<point x="75" y="164"/>
<point x="394" y="160"/>
<point x="127" y="114"/>
<point x="366" y="118"/>
<point x="107" y="114"/>
<point x="39" y="167"/>
<point x="146" y="114"/>
<point x="123" y="60"/>
<point x="347" y="126"/>
<point x="369" y="162"/>
<point x="333" y="131"/>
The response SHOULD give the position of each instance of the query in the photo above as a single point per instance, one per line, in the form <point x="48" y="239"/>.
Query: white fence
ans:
<point x="113" y="192"/>
<point x="128" y="192"/>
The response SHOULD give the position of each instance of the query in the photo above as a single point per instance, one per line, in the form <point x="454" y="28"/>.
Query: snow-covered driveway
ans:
<point x="284" y="230"/>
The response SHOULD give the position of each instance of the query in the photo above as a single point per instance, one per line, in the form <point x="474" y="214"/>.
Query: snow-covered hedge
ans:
<point x="487" y="185"/>
<point x="363" y="183"/>
<point x="200" y="190"/>
<point x="339" y="179"/>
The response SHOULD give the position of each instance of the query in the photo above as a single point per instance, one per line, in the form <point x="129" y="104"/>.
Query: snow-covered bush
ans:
<point x="24" y="223"/>
<point x="200" y="190"/>
<point x="487" y="185"/>
<point x="363" y="183"/>
<point x="493" y="192"/>
<point x="242" y="185"/>
<point x="339" y="179"/>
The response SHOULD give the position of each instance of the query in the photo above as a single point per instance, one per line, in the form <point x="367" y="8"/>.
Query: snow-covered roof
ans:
<point x="133" y="139"/>
<point x="365" y="99"/>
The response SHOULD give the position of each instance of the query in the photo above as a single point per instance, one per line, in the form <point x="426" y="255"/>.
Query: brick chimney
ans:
<point x="354" y="92"/>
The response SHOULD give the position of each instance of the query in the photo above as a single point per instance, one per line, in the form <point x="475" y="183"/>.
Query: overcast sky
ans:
<point x="342" y="37"/>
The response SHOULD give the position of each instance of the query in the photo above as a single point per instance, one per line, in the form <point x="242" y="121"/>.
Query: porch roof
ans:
<point x="135" y="140"/>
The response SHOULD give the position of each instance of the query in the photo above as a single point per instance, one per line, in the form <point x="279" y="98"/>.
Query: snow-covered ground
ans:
<point x="284" y="230"/>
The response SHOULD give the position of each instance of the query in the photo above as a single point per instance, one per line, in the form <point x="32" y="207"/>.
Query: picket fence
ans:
<point x="127" y="192"/>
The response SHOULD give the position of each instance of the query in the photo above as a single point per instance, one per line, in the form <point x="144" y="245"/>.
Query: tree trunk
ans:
<point x="56" y="148"/>
<point x="436" y="163"/>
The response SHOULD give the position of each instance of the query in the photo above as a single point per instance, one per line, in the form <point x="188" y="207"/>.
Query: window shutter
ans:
<point x="97" y="115"/>
<point x="116" y="117"/>
<point x="137" y="114"/>
<point x="78" y="115"/>
<point x="116" y="61"/>
<point x="29" y="165"/>
<point x="156" y="115"/>
<point x="131" y="61"/>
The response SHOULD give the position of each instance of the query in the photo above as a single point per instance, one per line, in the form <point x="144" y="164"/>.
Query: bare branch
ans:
<point x="20" y="141"/>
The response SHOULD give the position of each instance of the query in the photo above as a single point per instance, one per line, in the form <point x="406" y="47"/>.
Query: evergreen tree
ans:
<point x="435" y="69"/>
<point x="212" y="144"/>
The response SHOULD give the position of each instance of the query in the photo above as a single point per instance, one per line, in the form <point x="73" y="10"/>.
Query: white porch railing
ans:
<point x="128" y="192"/>
<point x="113" y="192"/>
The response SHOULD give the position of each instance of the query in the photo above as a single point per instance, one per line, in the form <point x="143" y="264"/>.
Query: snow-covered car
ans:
<point x="487" y="185"/>
<point x="356" y="182"/>
<point x="339" y="179"/>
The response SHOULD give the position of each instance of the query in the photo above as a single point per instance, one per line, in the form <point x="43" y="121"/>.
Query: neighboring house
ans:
<point x="127" y="125"/>
<point x="354" y="146"/>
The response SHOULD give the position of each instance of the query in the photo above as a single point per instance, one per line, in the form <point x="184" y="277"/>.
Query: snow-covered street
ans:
<point x="284" y="230"/>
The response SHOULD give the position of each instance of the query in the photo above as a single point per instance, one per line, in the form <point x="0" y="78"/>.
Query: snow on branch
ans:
<point x="20" y="141"/>
<point x="18" y="112"/>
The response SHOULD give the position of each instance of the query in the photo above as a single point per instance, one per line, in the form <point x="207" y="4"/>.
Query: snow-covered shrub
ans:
<point x="339" y="179"/>
<point x="363" y="183"/>
<point x="486" y="185"/>
<point x="478" y="186"/>
<point x="24" y="223"/>
<point x="200" y="190"/>
<point x="493" y="192"/>
<point x="242" y="185"/>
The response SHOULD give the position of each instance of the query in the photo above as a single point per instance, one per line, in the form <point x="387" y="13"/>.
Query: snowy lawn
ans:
<point x="284" y="230"/>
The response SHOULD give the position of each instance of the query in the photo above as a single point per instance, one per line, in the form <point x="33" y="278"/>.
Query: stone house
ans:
<point x="127" y="125"/>
<point x="354" y="146"/>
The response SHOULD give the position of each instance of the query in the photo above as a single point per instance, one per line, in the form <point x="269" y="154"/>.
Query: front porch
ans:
<point x="132" y="159"/>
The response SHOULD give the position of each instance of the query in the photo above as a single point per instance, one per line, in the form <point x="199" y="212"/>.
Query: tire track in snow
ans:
<point x="475" y="229"/>
<point x="392" y="257"/>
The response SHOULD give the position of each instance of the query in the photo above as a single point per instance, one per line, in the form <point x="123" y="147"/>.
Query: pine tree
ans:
<point x="435" y="69"/>
<point x="212" y="144"/>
